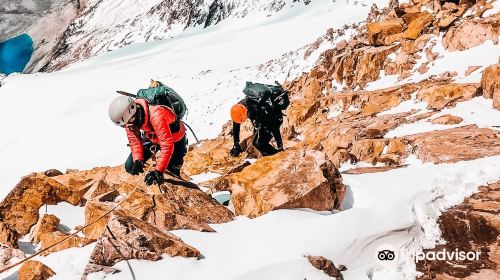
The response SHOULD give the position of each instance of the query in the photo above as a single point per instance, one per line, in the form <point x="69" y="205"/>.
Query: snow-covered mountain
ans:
<point x="65" y="32"/>
<point x="399" y="99"/>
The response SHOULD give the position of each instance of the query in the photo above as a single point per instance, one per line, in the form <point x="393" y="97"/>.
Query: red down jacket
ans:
<point x="157" y="120"/>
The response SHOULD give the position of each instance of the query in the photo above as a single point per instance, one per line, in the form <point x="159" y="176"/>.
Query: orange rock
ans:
<point x="470" y="70"/>
<point x="94" y="210"/>
<point x="439" y="97"/>
<point x="211" y="156"/>
<point x="20" y="208"/>
<point x="8" y="237"/>
<point x="48" y="239"/>
<point x="455" y="144"/>
<point x="34" y="270"/>
<point x="490" y="82"/>
<point x="327" y="266"/>
<point x="378" y="31"/>
<point x="47" y="224"/>
<point x="368" y="149"/>
<point x="447" y="119"/>
<point x="169" y="221"/>
<point x="472" y="33"/>
<point x="128" y="238"/>
<point x="296" y="178"/>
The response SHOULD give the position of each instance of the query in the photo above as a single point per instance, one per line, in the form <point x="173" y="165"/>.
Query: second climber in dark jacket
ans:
<point x="266" y="116"/>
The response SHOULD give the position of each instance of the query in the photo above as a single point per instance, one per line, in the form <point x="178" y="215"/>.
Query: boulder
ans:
<point x="327" y="266"/>
<point x="447" y="119"/>
<point x="8" y="237"/>
<point x="490" y="82"/>
<point x="47" y="224"/>
<point x="48" y="239"/>
<point x="472" y="33"/>
<point x="128" y="238"/>
<point x="20" y="208"/>
<point x="470" y="70"/>
<point x="34" y="270"/>
<point x="378" y="31"/>
<point x="211" y="156"/>
<point x="439" y="97"/>
<point x="170" y="221"/>
<point x="455" y="144"/>
<point x="296" y="178"/>
<point x="94" y="210"/>
<point x="472" y="226"/>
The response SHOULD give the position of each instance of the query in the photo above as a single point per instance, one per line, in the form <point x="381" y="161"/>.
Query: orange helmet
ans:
<point x="239" y="113"/>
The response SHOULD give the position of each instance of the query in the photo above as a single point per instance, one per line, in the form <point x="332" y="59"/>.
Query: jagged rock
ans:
<point x="472" y="33"/>
<point x="34" y="270"/>
<point x="490" y="82"/>
<point x="368" y="149"/>
<point x="416" y="23"/>
<point x="178" y="206"/>
<point x="327" y="266"/>
<point x="20" y="208"/>
<point x="439" y="97"/>
<point x="48" y="239"/>
<point x="357" y="67"/>
<point x="211" y="156"/>
<point x="169" y="221"/>
<point x="378" y="31"/>
<point x="470" y="70"/>
<point x="8" y="237"/>
<point x="455" y="144"/>
<point x="447" y="119"/>
<point x="130" y="238"/>
<point x="374" y="169"/>
<point x="93" y="211"/>
<point x="472" y="226"/>
<point x="193" y="204"/>
<point x="47" y="224"/>
<point x="296" y="178"/>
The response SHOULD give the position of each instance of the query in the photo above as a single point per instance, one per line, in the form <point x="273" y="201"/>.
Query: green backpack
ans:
<point x="166" y="96"/>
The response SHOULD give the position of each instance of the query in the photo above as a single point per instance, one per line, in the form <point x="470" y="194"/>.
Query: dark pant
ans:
<point x="262" y="137"/>
<point x="176" y="161"/>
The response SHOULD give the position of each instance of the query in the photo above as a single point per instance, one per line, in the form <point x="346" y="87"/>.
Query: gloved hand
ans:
<point x="154" y="177"/>
<point x="236" y="150"/>
<point x="138" y="167"/>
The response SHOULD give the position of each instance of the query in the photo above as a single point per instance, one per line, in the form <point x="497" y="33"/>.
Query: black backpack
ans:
<point x="269" y="97"/>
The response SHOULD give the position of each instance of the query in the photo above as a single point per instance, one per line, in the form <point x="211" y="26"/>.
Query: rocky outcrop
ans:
<point x="447" y="119"/>
<point x="455" y="144"/>
<point x="130" y="238"/>
<point x="296" y="178"/>
<point x="377" y="32"/>
<point x="439" y="97"/>
<point x="20" y="208"/>
<point x="8" y="237"/>
<point x="47" y="224"/>
<point x="327" y="266"/>
<point x="472" y="33"/>
<point x="472" y="226"/>
<point x="34" y="270"/>
<point x="57" y="237"/>
<point x="490" y="82"/>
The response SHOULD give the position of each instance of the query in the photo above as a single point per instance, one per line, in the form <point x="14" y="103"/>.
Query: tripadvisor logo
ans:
<point x="387" y="255"/>
<point x="445" y="255"/>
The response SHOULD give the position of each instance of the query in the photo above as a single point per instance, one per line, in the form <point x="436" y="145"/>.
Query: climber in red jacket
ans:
<point x="148" y="128"/>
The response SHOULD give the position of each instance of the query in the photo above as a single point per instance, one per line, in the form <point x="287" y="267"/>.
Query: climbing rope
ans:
<point x="79" y="230"/>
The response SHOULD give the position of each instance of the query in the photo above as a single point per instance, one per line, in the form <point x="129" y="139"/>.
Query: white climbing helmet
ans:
<point x="121" y="110"/>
